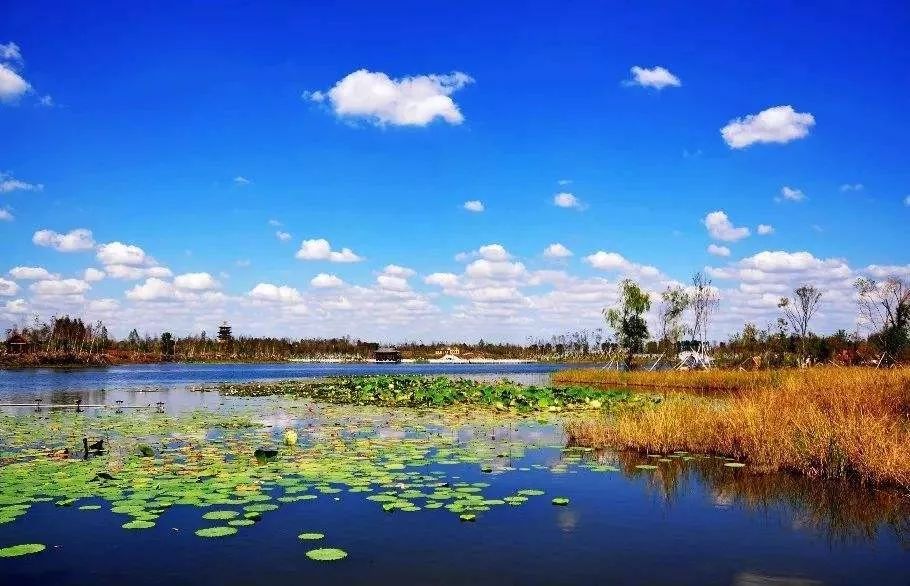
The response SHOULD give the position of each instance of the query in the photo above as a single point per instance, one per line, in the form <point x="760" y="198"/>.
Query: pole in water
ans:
<point x="79" y="405"/>
<point x="119" y="406"/>
<point x="37" y="404"/>
<point x="160" y="407"/>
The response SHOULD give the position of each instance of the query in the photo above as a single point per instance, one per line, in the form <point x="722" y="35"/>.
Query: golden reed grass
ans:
<point x="830" y="422"/>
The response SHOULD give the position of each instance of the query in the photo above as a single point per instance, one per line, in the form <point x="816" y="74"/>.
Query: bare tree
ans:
<point x="673" y="302"/>
<point x="799" y="312"/>
<point x="704" y="302"/>
<point x="885" y="306"/>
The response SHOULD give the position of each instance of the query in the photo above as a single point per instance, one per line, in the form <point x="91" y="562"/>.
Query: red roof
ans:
<point x="16" y="339"/>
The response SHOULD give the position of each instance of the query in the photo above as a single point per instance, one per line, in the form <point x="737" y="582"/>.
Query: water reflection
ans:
<point x="840" y="511"/>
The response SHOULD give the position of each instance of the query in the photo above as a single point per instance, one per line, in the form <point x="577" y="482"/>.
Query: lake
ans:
<point x="389" y="488"/>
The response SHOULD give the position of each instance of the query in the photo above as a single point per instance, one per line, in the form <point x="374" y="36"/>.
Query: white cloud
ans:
<point x="408" y="101"/>
<point x="657" y="77"/>
<point x="31" y="274"/>
<point x="765" y="229"/>
<point x="6" y="215"/>
<point x="283" y="236"/>
<point x="326" y="281"/>
<point x="320" y="249"/>
<point x="486" y="269"/>
<point x="718" y="250"/>
<point x="118" y="253"/>
<point x="153" y="289"/>
<point x="276" y="293"/>
<point x="613" y="261"/>
<point x="241" y="180"/>
<point x="12" y="85"/>
<point x="790" y="194"/>
<point x="446" y="280"/>
<point x="16" y="307"/>
<point x="8" y="183"/>
<point x="779" y="124"/>
<point x="493" y="252"/>
<point x="846" y="187"/>
<point x="128" y="273"/>
<point x="8" y="288"/>
<point x="557" y="250"/>
<point x="566" y="200"/>
<point x="398" y="271"/>
<point x="105" y="305"/>
<point x="721" y="228"/>
<point x="907" y="201"/>
<point x="73" y="241"/>
<point x="60" y="287"/>
<point x="92" y="275"/>
<point x="474" y="205"/>
<point x="196" y="282"/>
<point x="10" y="52"/>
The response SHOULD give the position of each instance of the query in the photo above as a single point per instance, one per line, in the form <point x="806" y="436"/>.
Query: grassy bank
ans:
<point x="826" y="422"/>
<point x="706" y="380"/>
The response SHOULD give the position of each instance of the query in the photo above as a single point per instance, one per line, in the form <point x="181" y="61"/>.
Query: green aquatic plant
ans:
<point x="310" y="536"/>
<point x="326" y="554"/>
<point x="20" y="550"/>
<point x="220" y="515"/>
<point x="560" y="501"/>
<point x="216" y="531"/>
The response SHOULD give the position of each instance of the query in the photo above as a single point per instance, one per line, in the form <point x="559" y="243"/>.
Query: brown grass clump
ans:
<point x="826" y="422"/>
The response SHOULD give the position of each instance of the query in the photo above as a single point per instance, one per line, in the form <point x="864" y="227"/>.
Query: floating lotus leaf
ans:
<point x="220" y="515"/>
<point x="326" y="554"/>
<point x="216" y="531"/>
<point x="310" y="536"/>
<point x="20" y="550"/>
<point x="560" y="501"/>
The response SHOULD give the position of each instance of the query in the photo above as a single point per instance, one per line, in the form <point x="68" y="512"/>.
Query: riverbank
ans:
<point x="822" y="422"/>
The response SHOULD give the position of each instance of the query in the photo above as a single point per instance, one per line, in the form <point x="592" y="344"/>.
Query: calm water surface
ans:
<point x="688" y="523"/>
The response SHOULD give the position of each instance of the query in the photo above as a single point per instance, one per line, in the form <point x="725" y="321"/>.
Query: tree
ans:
<point x="799" y="312"/>
<point x="626" y="319"/>
<point x="674" y="301"/>
<point x="167" y="344"/>
<point x="704" y="301"/>
<point x="133" y="339"/>
<point x="885" y="306"/>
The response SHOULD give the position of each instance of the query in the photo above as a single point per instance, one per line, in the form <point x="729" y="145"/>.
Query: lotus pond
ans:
<point x="389" y="480"/>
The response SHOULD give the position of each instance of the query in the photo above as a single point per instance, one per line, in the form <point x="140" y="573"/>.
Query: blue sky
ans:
<point x="136" y="124"/>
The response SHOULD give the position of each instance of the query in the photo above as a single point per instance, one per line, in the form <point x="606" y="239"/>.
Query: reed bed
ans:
<point x="825" y="422"/>
<point x="707" y="380"/>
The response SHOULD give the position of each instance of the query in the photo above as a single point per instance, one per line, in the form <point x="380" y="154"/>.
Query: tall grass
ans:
<point x="827" y="422"/>
<point x="675" y="379"/>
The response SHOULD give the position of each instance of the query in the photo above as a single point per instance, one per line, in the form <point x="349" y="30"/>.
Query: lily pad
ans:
<point x="19" y="550"/>
<point x="220" y="515"/>
<point x="326" y="554"/>
<point x="560" y="501"/>
<point x="310" y="536"/>
<point x="216" y="531"/>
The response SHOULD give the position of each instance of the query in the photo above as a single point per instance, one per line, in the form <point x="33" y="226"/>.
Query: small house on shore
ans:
<point x="387" y="354"/>
<point x="16" y="344"/>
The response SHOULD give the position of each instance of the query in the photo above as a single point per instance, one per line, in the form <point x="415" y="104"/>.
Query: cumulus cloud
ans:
<point x="780" y="124"/>
<point x="718" y="250"/>
<point x="153" y="289"/>
<point x="326" y="281"/>
<point x="6" y="215"/>
<point x="474" y="205"/>
<point x="408" y="101"/>
<point x="8" y="184"/>
<point x="790" y="194"/>
<point x="847" y="187"/>
<point x="320" y="249"/>
<point x="241" y="180"/>
<point x="129" y="273"/>
<point x="196" y="282"/>
<point x="656" y="77"/>
<point x="446" y="280"/>
<point x="118" y="253"/>
<point x="10" y="52"/>
<point x="765" y="229"/>
<point x="275" y="293"/>
<point x="60" y="287"/>
<point x="31" y="274"/>
<point x="8" y="288"/>
<point x="613" y="261"/>
<point x="16" y="307"/>
<point x="565" y="199"/>
<point x="92" y="275"/>
<point x="12" y="85"/>
<point x="721" y="228"/>
<point x="398" y="271"/>
<point x="283" y="236"/>
<point x="557" y="250"/>
<point x="73" y="241"/>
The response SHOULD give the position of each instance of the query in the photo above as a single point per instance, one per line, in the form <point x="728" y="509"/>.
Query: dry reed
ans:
<point x="828" y="422"/>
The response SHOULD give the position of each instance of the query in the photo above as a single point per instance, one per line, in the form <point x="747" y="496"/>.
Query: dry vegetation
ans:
<point x="831" y="422"/>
